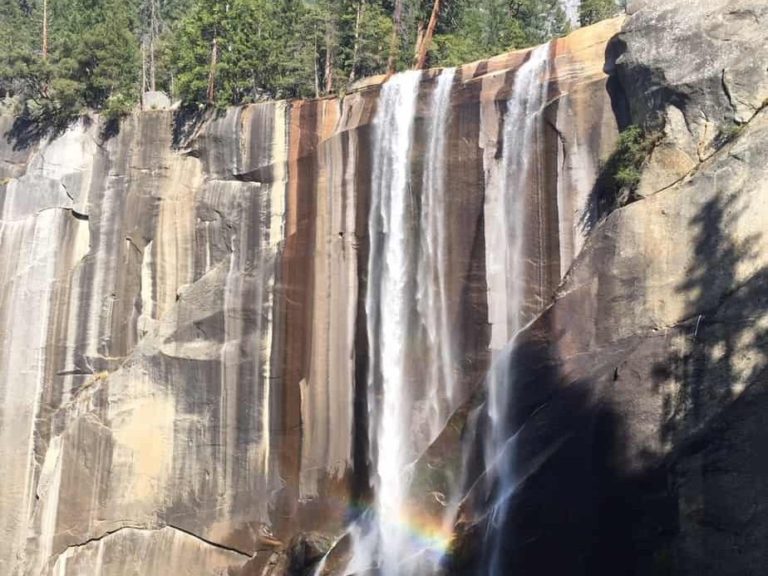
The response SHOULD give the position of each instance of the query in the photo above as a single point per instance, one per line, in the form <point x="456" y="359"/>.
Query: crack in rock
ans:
<point x="110" y="533"/>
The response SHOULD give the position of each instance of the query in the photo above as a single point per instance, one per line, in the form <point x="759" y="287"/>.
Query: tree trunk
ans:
<point x="212" y="73"/>
<point x="421" y="58"/>
<point x="143" y="68"/>
<point x="419" y="40"/>
<point x="152" y="29"/>
<point x="317" y="67"/>
<point x="356" y="47"/>
<point x="395" y="40"/>
<point x="328" y="62"/>
<point x="45" y="29"/>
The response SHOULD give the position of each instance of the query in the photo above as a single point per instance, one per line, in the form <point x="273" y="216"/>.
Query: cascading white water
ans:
<point x="506" y="206"/>
<point x="411" y="374"/>
<point x="441" y="395"/>
<point x="388" y="305"/>
<point x="523" y="132"/>
<point x="571" y="9"/>
<point x="431" y="277"/>
<point x="387" y="309"/>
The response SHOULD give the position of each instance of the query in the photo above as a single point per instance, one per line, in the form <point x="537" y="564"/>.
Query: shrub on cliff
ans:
<point x="621" y="172"/>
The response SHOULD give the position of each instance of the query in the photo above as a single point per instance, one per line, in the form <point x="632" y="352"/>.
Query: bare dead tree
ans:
<point x="152" y="34"/>
<point x="45" y="29"/>
<point x="329" y="57"/>
<point x="316" y="64"/>
<point x="143" y="68"/>
<point x="356" y="46"/>
<point x="426" y="40"/>
<point x="212" y="72"/>
<point x="419" y="39"/>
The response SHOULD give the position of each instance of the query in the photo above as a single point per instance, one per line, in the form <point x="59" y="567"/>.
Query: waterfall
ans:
<point x="388" y="306"/>
<point x="506" y="204"/>
<point x="571" y="9"/>
<point x="412" y="386"/>
<point x="441" y="394"/>
<point x="507" y="211"/>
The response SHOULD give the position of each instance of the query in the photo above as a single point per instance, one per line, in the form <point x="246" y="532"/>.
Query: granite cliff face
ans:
<point x="187" y="312"/>
<point x="639" y="392"/>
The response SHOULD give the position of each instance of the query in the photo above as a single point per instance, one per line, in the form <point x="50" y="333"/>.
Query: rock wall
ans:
<point x="183" y="345"/>
<point x="639" y="392"/>
<point x="183" y="331"/>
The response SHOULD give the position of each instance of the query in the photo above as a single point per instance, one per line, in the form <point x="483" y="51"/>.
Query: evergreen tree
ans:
<point x="106" y="54"/>
<point x="375" y="31"/>
<point x="263" y="49"/>
<point x="488" y="27"/>
<point x="102" y="53"/>
<point x="18" y="38"/>
<point x="91" y="61"/>
<point x="591" y="11"/>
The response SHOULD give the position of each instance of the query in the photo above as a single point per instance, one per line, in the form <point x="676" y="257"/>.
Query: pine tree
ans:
<point x="85" y="57"/>
<point x="475" y="30"/>
<point x="108" y="57"/>
<point x="591" y="11"/>
<point x="426" y="40"/>
<point x="101" y="54"/>
<point x="18" y="38"/>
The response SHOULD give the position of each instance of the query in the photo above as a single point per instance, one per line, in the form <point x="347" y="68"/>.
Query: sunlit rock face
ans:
<point x="185" y="335"/>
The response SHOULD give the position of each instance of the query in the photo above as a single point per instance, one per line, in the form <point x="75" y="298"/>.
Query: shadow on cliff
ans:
<point x="27" y="130"/>
<point x="715" y="394"/>
<point x="187" y="119"/>
<point x="575" y="507"/>
<point x="581" y="500"/>
<point x="586" y="502"/>
<point x="704" y="362"/>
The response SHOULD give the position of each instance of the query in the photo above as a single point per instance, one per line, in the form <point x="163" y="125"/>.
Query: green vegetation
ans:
<point x="728" y="133"/>
<point x="262" y="48"/>
<point x="59" y="58"/>
<point x="91" y="58"/>
<point x="591" y="11"/>
<point x="475" y="30"/>
<point x="621" y="173"/>
<point x="632" y="150"/>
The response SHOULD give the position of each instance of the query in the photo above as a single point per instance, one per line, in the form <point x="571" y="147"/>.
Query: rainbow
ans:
<point x="426" y="534"/>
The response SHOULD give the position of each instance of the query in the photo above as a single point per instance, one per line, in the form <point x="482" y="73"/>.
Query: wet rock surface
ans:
<point x="183" y="357"/>
<point x="183" y="337"/>
<point x="639" y="392"/>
